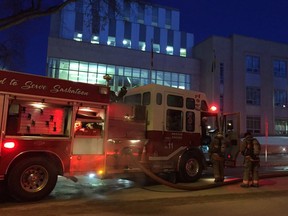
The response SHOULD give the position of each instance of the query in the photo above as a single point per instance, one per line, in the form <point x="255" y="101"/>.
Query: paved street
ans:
<point x="122" y="197"/>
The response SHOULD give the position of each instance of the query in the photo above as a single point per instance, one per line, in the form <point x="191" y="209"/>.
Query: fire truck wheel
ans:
<point x="190" y="167"/>
<point x="31" y="179"/>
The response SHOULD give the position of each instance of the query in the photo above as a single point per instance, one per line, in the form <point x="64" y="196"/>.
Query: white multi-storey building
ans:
<point x="249" y="76"/>
<point x="140" y="44"/>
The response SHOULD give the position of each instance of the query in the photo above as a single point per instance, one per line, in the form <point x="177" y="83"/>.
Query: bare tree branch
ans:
<point x="33" y="12"/>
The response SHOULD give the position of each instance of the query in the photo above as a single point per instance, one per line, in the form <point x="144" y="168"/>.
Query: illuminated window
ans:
<point x="130" y="77"/>
<point x="83" y="66"/>
<point x="92" y="78"/>
<point x="111" y="41"/>
<point x="83" y="77"/>
<point x="77" y="36"/>
<point x="92" y="67"/>
<point x="156" y="48"/>
<point x="281" y="126"/>
<point x="102" y="68"/>
<point x="74" y="65"/>
<point x="127" y="43"/>
<point x="95" y="39"/>
<point x="169" y="50"/>
<point x="183" y="52"/>
<point x="142" y="45"/>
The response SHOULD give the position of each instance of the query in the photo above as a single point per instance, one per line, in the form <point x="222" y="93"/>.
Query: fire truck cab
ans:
<point x="179" y="129"/>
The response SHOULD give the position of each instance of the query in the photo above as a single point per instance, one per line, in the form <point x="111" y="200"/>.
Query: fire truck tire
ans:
<point x="190" y="167"/>
<point x="31" y="179"/>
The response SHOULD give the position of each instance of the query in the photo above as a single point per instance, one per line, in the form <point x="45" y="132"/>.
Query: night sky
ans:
<point x="265" y="19"/>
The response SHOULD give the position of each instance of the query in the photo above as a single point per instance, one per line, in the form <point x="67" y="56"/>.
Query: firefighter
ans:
<point x="250" y="149"/>
<point x="216" y="151"/>
<point x="121" y="93"/>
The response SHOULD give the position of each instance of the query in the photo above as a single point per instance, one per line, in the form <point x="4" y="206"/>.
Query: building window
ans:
<point x="169" y="50"/>
<point x="168" y="19"/>
<point x="253" y="96"/>
<point x="95" y="39"/>
<point x="111" y="41"/>
<point x="253" y="124"/>
<point x="93" y="73"/>
<point x="142" y="45"/>
<point x="183" y="52"/>
<point x="156" y="48"/>
<point x="280" y="69"/>
<point x="252" y="64"/>
<point x="280" y="98"/>
<point x="141" y="13"/>
<point x="154" y="16"/>
<point x="127" y="8"/>
<point x="281" y="126"/>
<point x="77" y="36"/>
<point x="127" y="43"/>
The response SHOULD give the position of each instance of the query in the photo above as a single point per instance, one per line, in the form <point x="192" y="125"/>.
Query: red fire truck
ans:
<point x="52" y="127"/>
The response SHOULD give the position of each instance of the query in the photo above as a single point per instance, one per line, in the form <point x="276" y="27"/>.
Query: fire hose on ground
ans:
<point x="142" y="164"/>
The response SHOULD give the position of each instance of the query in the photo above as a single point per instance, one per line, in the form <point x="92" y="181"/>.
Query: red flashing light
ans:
<point x="9" y="145"/>
<point x="213" y="108"/>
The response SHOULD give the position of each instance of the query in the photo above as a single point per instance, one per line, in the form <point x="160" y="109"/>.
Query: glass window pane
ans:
<point x="190" y="103"/>
<point x="158" y="98"/>
<point x="82" y="77"/>
<point x="92" y="78"/>
<point x="167" y="76"/>
<point x="73" y="75"/>
<point x="74" y="65"/>
<point x="146" y="98"/>
<point x="128" y="71"/>
<point x="63" y="74"/>
<point x="174" y="120"/>
<point x="144" y="73"/>
<point x="190" y="121"/>
<point x="110" y="69"/>
<point x="133" y="99"/>
<point x="120" y="71"/>
<point x="83" y="66"/>
<point x="92" y="67"/>
<point x="136" y="72"/>
<point x="174" y="100"/>
<point x="102" y="68"/>
<point x="64" y="64"/>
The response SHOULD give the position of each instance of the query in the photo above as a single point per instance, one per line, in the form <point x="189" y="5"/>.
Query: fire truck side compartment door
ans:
<point x="1" y="117"/>
<point x="3" y="114"/>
